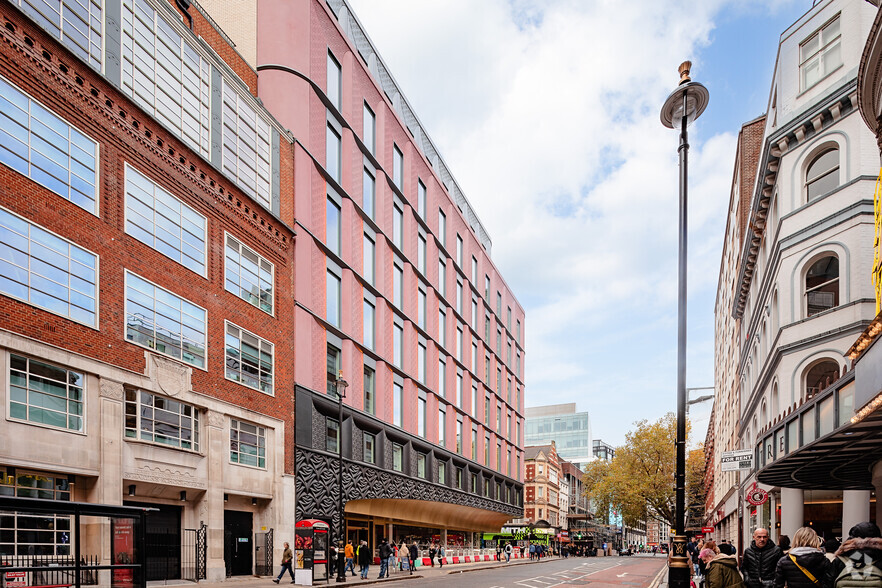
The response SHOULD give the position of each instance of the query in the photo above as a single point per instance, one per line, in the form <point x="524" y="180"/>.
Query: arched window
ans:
<point x="822" y="285"/>
<point x="764" y="415"/>
<point x="822" y="174"/>
<point x="775" y="409"/>
<point x="819" y="376"/>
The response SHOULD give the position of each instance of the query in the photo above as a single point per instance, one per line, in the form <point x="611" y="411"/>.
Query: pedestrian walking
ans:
<point x="432" y="552"/>
<point x="441" y="555"/>
<point x="722" y="570"/>
<point x="413" y="552"/>
<point x="859" y="559"/>
<point x="364" y="558"/>
<point x="287" y="559"/>
<point x="508" y="550"/>
<point x="760" y="561"/>
<point x="349" y="553"/>
<point x="384" y="552"/>
<point x="805" y="566"/>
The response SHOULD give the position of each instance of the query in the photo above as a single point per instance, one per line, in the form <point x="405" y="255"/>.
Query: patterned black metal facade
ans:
<point x="317" y="487"/>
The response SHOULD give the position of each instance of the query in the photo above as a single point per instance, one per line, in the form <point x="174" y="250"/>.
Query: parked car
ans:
<point x="625" y="552"/>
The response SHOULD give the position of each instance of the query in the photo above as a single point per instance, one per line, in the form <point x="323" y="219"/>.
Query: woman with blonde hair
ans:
<point x="805" y="566"/>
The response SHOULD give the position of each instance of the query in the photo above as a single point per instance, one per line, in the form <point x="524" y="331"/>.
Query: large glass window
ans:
<point x="158" y="219"/>
<point x="166" y="76"/>
<point x="40" y="145"/>
<point x="248" y="359"/>
<point x="369" y="128"/>
<point x="369" y="253"/>
<point x="368" y="324"/>
<point x="77" y="24"/>
<point x="459" y="343"/>
<point x="248" y="275"/>
<point x="398" y="227"/>
<point x="247" y="444"/>
<point x="822" y="285"/>
<point x="34" y="535"/>
<point x="46" y="394"/>
<point x="333" y="369"/>
<point x="333" y="299"/>
<point x="332" y="226"/>
<point x="335" y="74"/>
<point x="164" y="322"/>
<point x="368" y="192"/>
<point x="820" y="54"/>
<point x="819" y="376"/>
<point x="822" y="175"/>
<point x="158" y="419"/>
<point x="332" y="152"/>
<point x="369" y="396"/>
<point x="47" y="271"/>
<point x="247" y="142"/>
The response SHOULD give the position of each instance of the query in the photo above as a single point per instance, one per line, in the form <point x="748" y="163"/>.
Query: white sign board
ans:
<point x="732" y="461"/>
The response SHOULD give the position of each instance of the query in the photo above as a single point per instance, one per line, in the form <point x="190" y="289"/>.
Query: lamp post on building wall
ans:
<point x="341" y="385"/>
<point x="683" y="106"/>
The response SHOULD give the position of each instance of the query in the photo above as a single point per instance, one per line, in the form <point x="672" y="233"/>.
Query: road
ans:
<point x="602" y="572"/>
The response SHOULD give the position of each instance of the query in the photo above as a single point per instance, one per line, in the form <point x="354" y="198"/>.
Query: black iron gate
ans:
<point x="263" y="553"/>
<point x="193" y="554"/>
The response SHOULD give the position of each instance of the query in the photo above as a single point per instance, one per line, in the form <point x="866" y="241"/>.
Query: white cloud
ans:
<point x="547" y="113"/>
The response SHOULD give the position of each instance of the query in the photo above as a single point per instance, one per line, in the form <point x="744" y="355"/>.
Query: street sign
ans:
<point x="741" y="459"/>
<point x="707" y="529"/>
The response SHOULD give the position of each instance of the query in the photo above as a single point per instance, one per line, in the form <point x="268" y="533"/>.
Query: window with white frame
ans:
<point x="442" y="472"/>
<point x="37" y="534"/>
<point x="161" y="221"/>
<point x="164" y="322"/>
<point x="248" y="275"/>
<point x="820" y="54"/>
<point x="248" y="359"/>
<point x="368" y="256"/>
<point x="822" y="174"/>
<point x="421" y="199"/>
<point x="474" y="413"/>
<point x="77" y="24"/>
<point x="247" y="144"/>
<point x="459" y="435"/>
<point x="42" y="269"/>
<point x="247" y="444"/>
<point x="475" y="314"/>
<point x="332" y="307"/>
<point x="474" y="443"/>
<point x="39" y="144"/>
<point x="397" y="457"/>
<point x="421" y="465"/>
<point x="369" y="129"/>
<point x="397" y="349"/>
<point x="487" y="288"/>
<point x="475" y="357"/>
<point x="335" y="74"/>
<point x="46" y="394"/>
<point x="370" y="444"/>
<point x="368" y="192"/>
<point x="822" y="285"/>
<point x="333" y="145"/>
<point x="499" y="304"/>
<point x="368" y="324"/>
<point x="332" y="435"/>
<point x="162" y="420"/>
<point x="166" y="75"/>
<point x="397" y="405"/>
<point x="397" y="167"/>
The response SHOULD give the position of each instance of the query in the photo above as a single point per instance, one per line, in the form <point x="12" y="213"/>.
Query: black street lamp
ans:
<point x="683" y="106"/>
<point x="341" y="385"/>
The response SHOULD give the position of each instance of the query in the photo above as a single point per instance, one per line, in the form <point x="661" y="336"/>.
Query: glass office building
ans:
<point x="570" y="431"/>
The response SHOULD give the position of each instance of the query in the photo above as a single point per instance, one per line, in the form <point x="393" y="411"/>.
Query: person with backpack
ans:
<point x="858" y="561"/>
<point x="805" y="566"/>
<point x="508" y="551"/>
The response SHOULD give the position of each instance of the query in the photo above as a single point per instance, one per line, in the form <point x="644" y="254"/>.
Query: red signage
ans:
<point x="707" y="529"/>
<point x="757" y="496"/>
<point x="699" y="536"/>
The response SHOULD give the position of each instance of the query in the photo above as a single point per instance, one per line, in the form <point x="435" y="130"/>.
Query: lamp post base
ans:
<point x="678" y="564"/>
<point x="341" y="565"/>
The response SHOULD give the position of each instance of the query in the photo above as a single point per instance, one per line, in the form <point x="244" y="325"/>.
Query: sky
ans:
<point x="547" y="114"/>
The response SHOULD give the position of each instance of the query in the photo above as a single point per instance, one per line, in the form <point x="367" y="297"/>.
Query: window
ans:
<point x="498" y="342"/>
<point x="247" y="145"/>
<point x="332" y="307"/>
<point x="487" y="487"/>
<point x="421" y="254"/>
<point x="397" y="167"/>
<point x="499" y="418"/>
<point x="397" y="457"/>
<point x="335" y="74"/>
<point x="168" y="77"/>
<point x="822" y="174"/>
<point x="459" y="297"/>
<point x="518" y="332"/>
<point x="820" y="54"/>
<point x="333" y="145"/>
<point x="77" y="25"/>
<point x="474" y="413"/>
<point x="248" y="359"/>
<point x="369" y="129"/>
<point x="161" y="221"/>
<point x="819" y="376"/>
<point x="499" y="382"/>
<point x="499" y="304"/>
<point x="487" y="450"/>
<point x="368" y="192"/>
<point x="822" y="285"/>
<point x="474" y="270"/>
<point x="487" y="328"/>
<point x="474" y="442"/>
<point x="368" y="254"/>
<point x="442" y="472"/>
<point x="442" y="228"/>
<point x="421" y="417"/>
<point x="369" y="395"/>
<point x="458" y="250"/>
<point x="332" y="435"/>
<point x="475" y="357"/>
<point x="168" y="324"/>
<point x="421" y="465"/>
<point x="368" y="325"/>
<point x="442" y="426"/>
<point x="46" y="394"/>
<point x="508" y="363"/>
<point x="35" y="535"/>
<point x="474" y="483"/>
<point x="518" y="365"/>
<point x="487" y="409"/>
<point x="421" y="363"/>
<point x="475" y="315"/>
<point x="508" y="319"/>
<point x="487" y="288"/>
<point x="459" y="390"/>
<point x="47" y="271"/>
<point x="332" y="226"/>
<point x="442" y="327"/>
<point x="397" y="286"/>
<point x="421" y="199"/>
<point x="459" y="343"/>
<point x="459" y="478"/>
<point x="397" y="405"/>
<point x="333" y="369"/>
<point x="442" y="277"/>
<point x="442" y="377"/>
<point x="158" y="419"/>
<point x="397" y="226"/>
<point x="248" y="275"/>
<point x="397" y="349"/>
<point x="540" y="492"/>
<point x="370" y="442"/>
<point x="487" y="370"/>
<point x="247" y="444"/>
<point x="459" y="436"/>
<point x="421" y="309"/>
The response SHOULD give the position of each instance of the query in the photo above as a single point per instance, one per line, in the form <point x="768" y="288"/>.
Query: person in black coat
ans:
<point x="805" y="566"/>
<point x="413" y="552"/>
<point x="864" y="545"/>
<point x="760" y="560"/>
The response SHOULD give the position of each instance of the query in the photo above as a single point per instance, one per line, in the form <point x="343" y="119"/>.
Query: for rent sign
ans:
<point x="741" y="459"/>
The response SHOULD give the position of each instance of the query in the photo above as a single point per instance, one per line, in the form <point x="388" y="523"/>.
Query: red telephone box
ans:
<point x="311" y="550"/>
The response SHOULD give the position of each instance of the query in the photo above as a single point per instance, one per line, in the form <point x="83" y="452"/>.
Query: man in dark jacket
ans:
<point x="760" y="559"/>
<point x="365" y="558"/>
<point x="384" y="551"/>
<point x="859" y="553"/>
<point x="413" y="551"/>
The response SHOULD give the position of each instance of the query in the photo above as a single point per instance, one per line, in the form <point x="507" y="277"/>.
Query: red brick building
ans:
<point x="542" y="482"/>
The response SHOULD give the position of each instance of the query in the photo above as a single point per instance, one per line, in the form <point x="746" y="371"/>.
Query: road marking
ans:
<point x="621" y="575"/>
